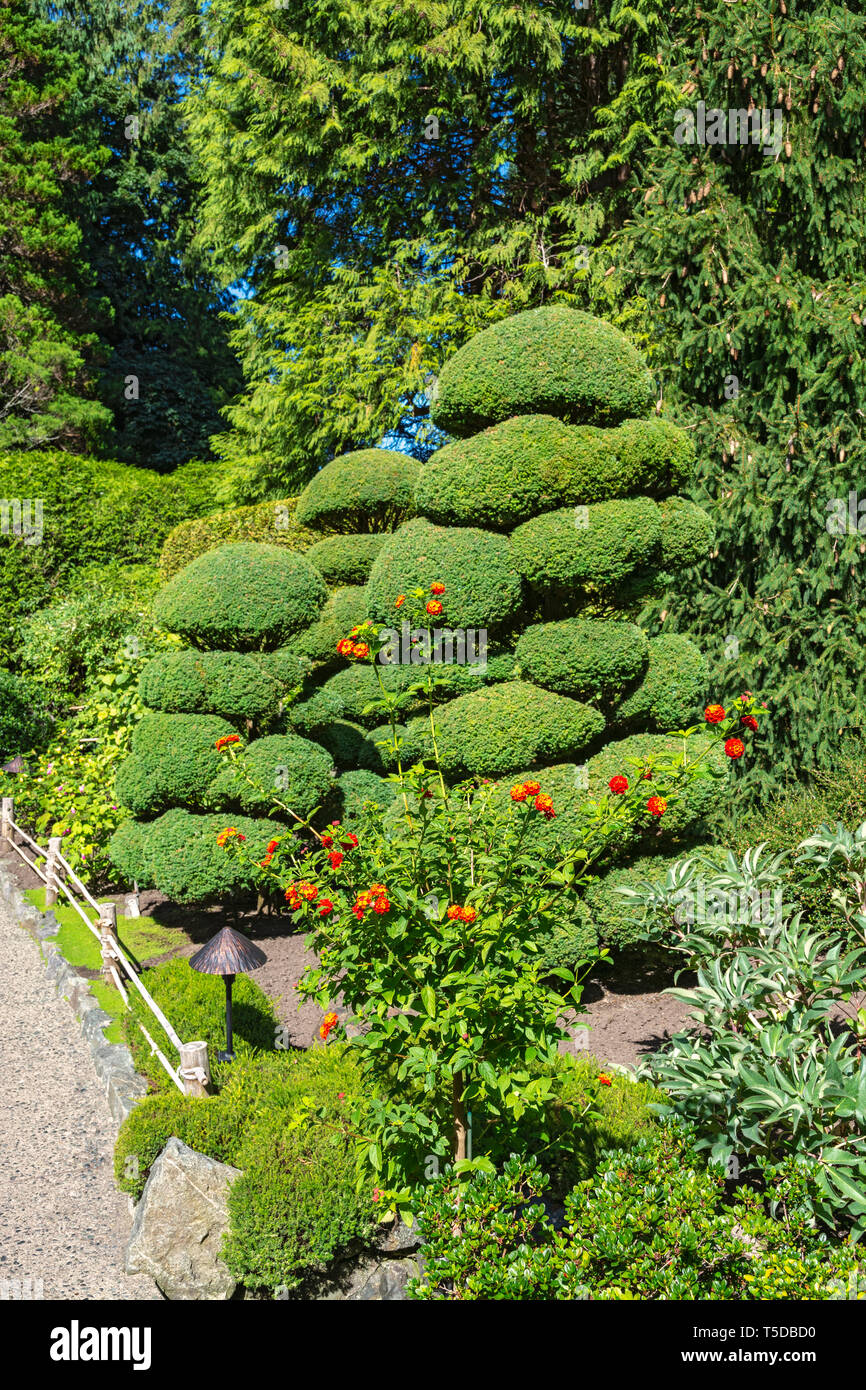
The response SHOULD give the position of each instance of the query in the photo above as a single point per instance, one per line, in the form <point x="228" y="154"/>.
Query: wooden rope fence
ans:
<point x="192" y="1075"/>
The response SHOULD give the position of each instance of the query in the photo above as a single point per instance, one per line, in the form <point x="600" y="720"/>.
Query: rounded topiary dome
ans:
<point x="226" y="683"/>
<point x="369" y="490"/>
<point x="553" y="361"/>
<point x="242" y="597"/>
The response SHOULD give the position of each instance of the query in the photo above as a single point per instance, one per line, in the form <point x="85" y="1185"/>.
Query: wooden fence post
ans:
<point x="194" y="1069"/>
<point x="52" y="869"/>
<point x="108" y="939"/>
<point x="7" y="816"/>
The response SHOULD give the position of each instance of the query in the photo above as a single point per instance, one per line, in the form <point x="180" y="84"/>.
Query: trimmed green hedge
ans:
<point x="270" y="522"/>
<point x="687" y="533"/>
<point x="345" y="694"/>
<point x="173" y="762"/>
<point x="346" y="559"/>
<point x="285" y="666"/>
<point x="672" y="690"/>
<point x="483" y="588"/>
<point x="570" y="549"/>
<point x="533" y="463"/>
<point x="226" y="683"/>
<point x="94" y="512"/>
<point x="617" y="921"/>
<point x="345" y="609"/>
<point x="552" y="361"/>
<point x="242" y="597"/>
<point x="368" y="490"/>
<point x="684" y="816"/>
<point x="589" y="659"/>
<point x="501" y="727"/>
<point x="352" y="789"/>
<point x="181" y="858"/>
<point x="298" y="772"/>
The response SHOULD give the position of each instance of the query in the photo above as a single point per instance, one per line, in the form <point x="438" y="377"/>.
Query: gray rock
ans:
<point x="179" y="1225"/>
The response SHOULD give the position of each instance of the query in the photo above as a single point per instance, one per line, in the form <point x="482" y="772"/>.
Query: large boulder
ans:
<point x="179" y="1225"/>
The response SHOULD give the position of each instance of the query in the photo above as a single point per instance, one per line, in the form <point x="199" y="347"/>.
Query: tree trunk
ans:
<point x="458" y="1111"/>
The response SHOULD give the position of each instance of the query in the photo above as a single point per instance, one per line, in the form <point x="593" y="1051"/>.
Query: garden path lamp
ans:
<point x="228" y="954"/>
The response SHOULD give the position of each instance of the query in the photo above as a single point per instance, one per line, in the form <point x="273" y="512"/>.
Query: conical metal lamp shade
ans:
<point x="228" y="953"/>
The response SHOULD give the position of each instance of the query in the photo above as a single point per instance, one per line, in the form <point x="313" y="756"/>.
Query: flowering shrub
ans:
<point x="429" y="934"/>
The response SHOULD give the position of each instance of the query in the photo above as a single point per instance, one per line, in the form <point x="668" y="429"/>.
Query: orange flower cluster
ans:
<point x="376" y="896"/>
<point x="228" y="834"/>
<point x="456" y="913"/>
<point x="351" y="647"/>
<point x="226" y="740"/>
<point x="329" y="1022"/>
<point x="714" y="714"/>
<point x="525" y="791"/>
<point x="299" y="893"/>
<point x="657" y="806"/>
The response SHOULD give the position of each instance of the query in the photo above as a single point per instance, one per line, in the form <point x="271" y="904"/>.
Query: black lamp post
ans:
<point x="228" y="954"/>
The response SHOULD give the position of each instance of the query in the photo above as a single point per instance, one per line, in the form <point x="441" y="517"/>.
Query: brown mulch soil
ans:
<point x="627" y="1012"/>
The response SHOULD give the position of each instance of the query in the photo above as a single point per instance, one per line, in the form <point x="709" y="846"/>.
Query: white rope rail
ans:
<point x="155" y="1052"/>
<point x="77" y="881"/>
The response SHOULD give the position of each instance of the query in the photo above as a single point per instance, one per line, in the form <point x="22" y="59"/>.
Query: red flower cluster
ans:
<point x="399" y="600"/>
<point x="735" y="748"/>
<point x="226" y="740"/>
<point x="456" y="913"/>
<point x="329" y="1022"/>
<point x="435" y="608"/>
<point x="376" y="896"/>
<point x="605" y="1080"/>
<point x="269" y="854"/>
<point x="524" y="791"/>
<point x="347" y="646"/>
<point x="618" y="785"/>
<point x="714" y="714"/>
<point x="657" y="806"/>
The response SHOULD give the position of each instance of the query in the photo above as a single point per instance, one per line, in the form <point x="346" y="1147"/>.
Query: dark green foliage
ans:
<point x="502" y="727"/>
<point x="700" y="802"/>
<point x="554" y="361"/>
<point x="93" y="513"/>
<point x="570" y="549"/>
<point x="181" y="858"/>
<point x="352" y="746"/>
<point x="534" y="463"/>
<point x="345" y="609"/>
<point x="369" y="490"/>
<point x="484" y="588"/>
<point x="687" y="533"/>
<point x="346" y="694"/>
<point x="284" y="666"/>
<point x="242" y="597"/>
<point x="293" y="769"/>
<point x="353" y="789"/>
<point x="127" y="852"/>
<point x="45" y="387"/>
<point x="617" y="920"/>
<point x="583" y="657"/>
<point x="152" y="295"/>
<point x="226" y="683"/>
<point x="346" y="559"/>
<point x="574" y="940"/>
<point x="24" y="719"/>
<point x="672" y="692"/>
<point x="273" y="523"/>
<point x="173" y="762"/>
<point x="195" y="1006"/>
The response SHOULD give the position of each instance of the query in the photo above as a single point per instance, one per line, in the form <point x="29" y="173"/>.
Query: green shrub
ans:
<point x="573" y="941"/>
<point x="225" y="683"/>
<point x="345" y="609"/>
<point x="369" y="490"/>
<point x="568" y="550"/>
<point x="553" y="361"/>
<point x="242" y="597"/>
<point x="618" y="920"/>
<point x="346" y="559"/>
<point x="697" y="804"/>
<point x="181" y="857"/>
<point x="128" y="854"/>
<point x="653" y="1224"/>
<point x="24" y="718"/>
<point x="297" y="771"/>
<point x="272" y="523"/>
<point x="173" y="762"/>
<point x="586" y="658"/>
<point x="352" y="789"/>
<point x="93" y="513"/>
<point x="194" y="1005"/>
<point x="687" y="534"/>
<point x="534" y="463"/>
<point x="346" y="694"/>
<point x="286" y="667"/>
<point x="502" y="727"/>
<point x="671" y="693"/>
<point x="483" y="587"/>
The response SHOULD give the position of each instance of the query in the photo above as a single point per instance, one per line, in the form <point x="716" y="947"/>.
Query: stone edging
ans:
<point x="112" y="1061"/>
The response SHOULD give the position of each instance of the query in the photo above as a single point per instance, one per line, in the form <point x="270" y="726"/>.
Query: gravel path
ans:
<point x="62" y="1220"/>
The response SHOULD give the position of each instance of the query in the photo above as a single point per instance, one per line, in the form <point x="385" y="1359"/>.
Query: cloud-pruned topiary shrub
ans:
<point x="299" y="772"/>
<point x="272" y="523"/>
<point x="346" y="559"/>
<point x="173" y="762"/>
<point x="180" y="856"/>
<point x="227" y="683"/>
<point x="669" y="693"/>
<point x="588" y="658"/>
<point x="369" y="490"/>
<point x="554" y="361"/>
<point x="597" y="547"/>
<point x="242" y="597"/>
<point x="484" y="586"/>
